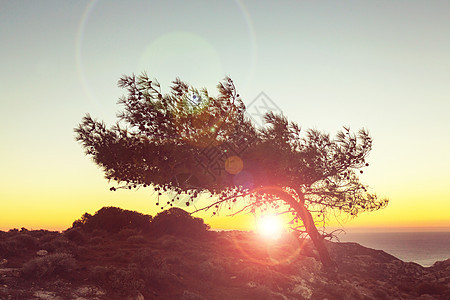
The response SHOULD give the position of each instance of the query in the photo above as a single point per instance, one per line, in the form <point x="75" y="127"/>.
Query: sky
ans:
<point x="381" y="65"/>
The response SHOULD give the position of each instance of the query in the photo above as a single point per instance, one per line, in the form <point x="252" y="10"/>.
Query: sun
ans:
<point x="270" y="227"/>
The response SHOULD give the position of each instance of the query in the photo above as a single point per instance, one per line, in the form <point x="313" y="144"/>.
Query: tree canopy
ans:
<point x="188" y="143"/>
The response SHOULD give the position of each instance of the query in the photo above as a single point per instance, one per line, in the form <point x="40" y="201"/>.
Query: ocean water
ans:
<point x="424" y="248"/>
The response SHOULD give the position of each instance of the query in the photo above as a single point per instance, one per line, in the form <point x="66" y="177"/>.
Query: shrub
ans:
<point x="16" y="244"/>
<point x="261" y="292"/>
<point x="121" y="256"/>
<point x="42" y="232"/>
<point x="178" y="222"/>
<point x="169" y="242"/>
<point x="96" y="240"/>
<point x="122" y="281"/>
<point x="126" y="233"/>
<point x="260" y="274"/>
<point x="136" y="239"/>
<point x="113" y="219"/>
<point x="188" y="295"/>
<point x="431" y="288"/>
<point x="159" y="278"/>
<point x="125" y="281"/>
<point x="25" y="240"/>
<point x="148" y="258"/>
<point x="99" y="232"/>
<point x="51" y="265"/>
<point x="75" y="235"/>
<point x="209" y="270"/>
<point x="57" y="244"/>
<point x="153" y="269"/>
<point x="6" y="249"/>
<point x="48" y="236"/>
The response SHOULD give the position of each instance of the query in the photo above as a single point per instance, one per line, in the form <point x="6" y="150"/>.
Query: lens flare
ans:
<point x="270" y="227"/>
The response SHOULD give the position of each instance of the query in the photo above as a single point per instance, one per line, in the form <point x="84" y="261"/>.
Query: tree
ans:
<point x="188" y="144"/>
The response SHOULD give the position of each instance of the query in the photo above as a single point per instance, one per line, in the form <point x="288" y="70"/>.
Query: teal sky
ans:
<point x="382" y="65"/>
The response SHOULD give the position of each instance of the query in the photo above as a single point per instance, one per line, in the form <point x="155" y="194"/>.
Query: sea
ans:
<point x="424" y="248"/>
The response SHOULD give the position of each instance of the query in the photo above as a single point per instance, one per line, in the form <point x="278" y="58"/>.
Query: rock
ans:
<point x="88" y="292"/>
<point x="426" y="297"/>
<point x="251" y="284"/>
<point x="311" y="264"/>
<point x="3" y="262"/>
<point x="42" y="252"/>
<point x="44" y="295"/>
<point x="138" y="296"/>
<point x="5" y="272"/>
<point x="441" y="265"/>
<point x="188" y="295"/>
<point x="303" y="291"/>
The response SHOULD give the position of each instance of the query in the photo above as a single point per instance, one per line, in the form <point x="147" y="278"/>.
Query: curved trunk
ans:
<point x="308" y="221"/>
<point x="313" y="233"/>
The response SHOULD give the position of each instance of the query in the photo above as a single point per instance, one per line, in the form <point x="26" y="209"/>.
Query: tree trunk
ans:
<point x="314" y="234"/>
<point x="308" y="221"/>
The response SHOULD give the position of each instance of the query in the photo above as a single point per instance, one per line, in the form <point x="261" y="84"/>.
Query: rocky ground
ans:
<point x="221" y="265"/>
<point x="173" y="256"/>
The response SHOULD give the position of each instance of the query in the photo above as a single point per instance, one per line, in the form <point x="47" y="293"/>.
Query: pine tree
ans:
<point x="187" y="144"/>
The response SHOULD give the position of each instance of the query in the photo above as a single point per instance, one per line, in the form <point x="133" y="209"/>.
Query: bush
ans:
<point x="148" y="258"/>
<point x="431" y="288"/>
<point x="16" y="244"/>
<point x="57" y="244"/>
<point x="169" y="242"/>
<point x="136" y="239"/>
<point x="75" y="235"/>
<point x="48" y="266"/>
<point x="122" y="281"/>
<point x="6" y="249"/>
<point x="48" y="236"/>
<point x="188" y="295"/>
<point x="126" y="233"/>
<point x="209" y="270"/>
<point x="112" y="220"/>
<point x="25" y="240"/>
<point x="121" y="256"/>
<point x="178" y="222"/>
<point x="96" y="240"/>
<point x="261" y="292"/>
<point x="153" y="269"/>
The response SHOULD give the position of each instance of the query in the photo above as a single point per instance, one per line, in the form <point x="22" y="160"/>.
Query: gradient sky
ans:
<point x="382" y="65"/>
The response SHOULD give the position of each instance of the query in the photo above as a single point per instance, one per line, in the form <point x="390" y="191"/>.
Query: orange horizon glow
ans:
<point x="61" y="217"/>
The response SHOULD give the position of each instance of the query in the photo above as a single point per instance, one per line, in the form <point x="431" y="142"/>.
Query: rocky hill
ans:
<point x="132" y="263"/>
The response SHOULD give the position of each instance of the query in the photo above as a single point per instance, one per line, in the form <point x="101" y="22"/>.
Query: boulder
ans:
<point x="42" y="252"/>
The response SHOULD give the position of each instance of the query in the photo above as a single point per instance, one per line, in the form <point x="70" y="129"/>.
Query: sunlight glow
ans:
<point x="270" y="227"/>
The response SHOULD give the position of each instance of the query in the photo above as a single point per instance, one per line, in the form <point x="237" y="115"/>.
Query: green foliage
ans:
<point x="161" y="138"/>
<point x="178" y="222"/>
<point x="113" y="220"/>
<point x="60" y="264"/>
